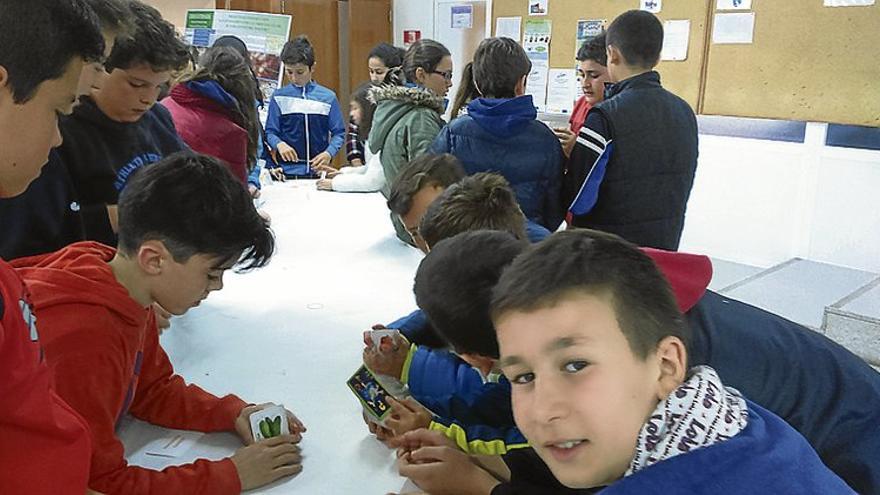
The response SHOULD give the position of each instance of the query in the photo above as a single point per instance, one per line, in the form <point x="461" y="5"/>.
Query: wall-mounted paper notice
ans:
<point x="561" y="85"/>
<point x="733" y="4"/>
<point x="538" y="7"/>
<point x="676" y="35"/>
<point x="734" y="28"/>
<point x="462" y="16"/>
<point x="508" y="27"/>
<point x="652" y="6"/>
<point x="848" y="3"/>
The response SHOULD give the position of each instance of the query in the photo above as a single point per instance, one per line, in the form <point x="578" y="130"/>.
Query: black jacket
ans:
<point x="101" y="154"/>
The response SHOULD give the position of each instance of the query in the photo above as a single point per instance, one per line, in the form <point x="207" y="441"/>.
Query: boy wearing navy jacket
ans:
<point x="500" y="133"/>
<point x="305" y="126"/>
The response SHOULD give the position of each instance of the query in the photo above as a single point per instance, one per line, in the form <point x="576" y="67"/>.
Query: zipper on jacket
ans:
<point x="308" y="137"/>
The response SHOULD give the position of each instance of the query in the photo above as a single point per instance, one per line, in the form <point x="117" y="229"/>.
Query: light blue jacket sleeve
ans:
<point x="337" y="128"/>
<point x="273" y="124"/>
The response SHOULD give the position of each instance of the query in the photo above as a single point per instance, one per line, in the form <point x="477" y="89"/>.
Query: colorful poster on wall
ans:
<point x="538" y="7"/>
<point x="462" y="16"/>
<point x="587" y="29"/>
<point x="652" y="6"/>
<point x="264" y="35"/>
<point x="536" y="43"/>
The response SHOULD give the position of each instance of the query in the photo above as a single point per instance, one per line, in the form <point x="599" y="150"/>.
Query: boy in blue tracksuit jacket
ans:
<point x="500" y="133"/>
<point x="305" y="125"/>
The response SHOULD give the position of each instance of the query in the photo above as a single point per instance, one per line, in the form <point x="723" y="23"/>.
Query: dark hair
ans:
<point x="426" y="170"/>
<point x="40" y="38"/>
<point x="592" y="262"/>
<point x="298" y="51"/>
<point x="499" y="64"/>
<point x="638" y="35"/>
<point x="467" y="91"/>
<point x="225" y="66"/>
<point x="153" y="42"/>
<point x="114" y="15"/>
<point x="454" y="287"/>
<point x="482" y="201"/>
<point x="194" y="205"/>
<point x="424" y="53"/>
<point x="390" y="55"/>
<point x="361" y="96"/>
<point x="238" y="45"/>
<point x="594" y="49"/>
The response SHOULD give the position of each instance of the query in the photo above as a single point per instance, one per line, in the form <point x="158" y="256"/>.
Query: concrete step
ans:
<point x="854" y="321"/>
<point x="799" y="289"/>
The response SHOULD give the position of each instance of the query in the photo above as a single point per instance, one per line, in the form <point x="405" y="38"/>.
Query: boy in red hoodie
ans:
<point x="184" y="221"/>
<point x="44" y="444"/>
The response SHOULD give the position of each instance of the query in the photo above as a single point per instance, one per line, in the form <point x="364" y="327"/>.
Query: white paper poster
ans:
<point x="652" y="6"/>
<point x="734" y="28"/>
<point x="733" y="4"/>
<point x="462" y="16"/>
<point x="676" y="35"/>
<point x="538" y="7"/>
<point x="848" y="3"/>
<point x="508" y="27"/>
<point x="561" y="90"/>
<point x="536" y="43"/>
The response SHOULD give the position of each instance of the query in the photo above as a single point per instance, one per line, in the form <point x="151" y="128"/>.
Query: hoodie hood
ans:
<point x="196" y="91"/>
<point x="393" y="103"/>
<point x="80" y="275"/>
<point x="503" y="117"/>
<point x="88" y="111"/>
<point x="688" y="274"/>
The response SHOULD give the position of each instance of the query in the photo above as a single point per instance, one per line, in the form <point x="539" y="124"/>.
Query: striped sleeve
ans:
<point x="587" y="164"/>
<point x="480" y="439"/>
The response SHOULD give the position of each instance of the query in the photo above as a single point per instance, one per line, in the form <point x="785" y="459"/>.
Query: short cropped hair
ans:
<point x="194" y="205"/>
<point x="390" y="55"/>
<point x="427" y="170"/>
<point x="39" y="39"/>
<point x="482" y="201"/>
<point x="596" y="263"/>
<point x="153" y="42"/>
<point x="114" y="15"/>
<point x="594" y="49"/>
<point x="499" y="64"/>
<point x="454" y="284"/>
<point x="638" y="35"/>
<point x="298" y="51"/>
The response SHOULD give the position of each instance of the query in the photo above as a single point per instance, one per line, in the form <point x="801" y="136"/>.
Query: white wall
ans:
<point x="763" y="202"/>
<point x="412" y="14"/>
<point x="174" y="11"/>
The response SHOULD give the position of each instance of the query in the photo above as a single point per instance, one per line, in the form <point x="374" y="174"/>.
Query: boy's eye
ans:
<point x="575" y="366"/>
<point x="523" y="378"/>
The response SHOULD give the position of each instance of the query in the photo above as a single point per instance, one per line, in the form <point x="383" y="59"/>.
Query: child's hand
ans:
<point x="325" y="185"/>
<point x="277" y="173"/>
<point x="262" y="463"/>
<point x="390" y="357"/>
<point x="383" y="434"/>
<point x="566" y="139"/>
<point x="287" y="152"/>
<point x="243" y="423"/>
<point x="423" y="437"/>
<point x="406" y="415"/>
<point x="442" y="470"/>
<point x="322" y="159"/>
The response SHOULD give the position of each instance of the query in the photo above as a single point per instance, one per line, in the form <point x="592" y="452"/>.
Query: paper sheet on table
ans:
<point x="410" y="487"/>
<point x="174" y="444"/>
<point x="848" y="3"/>
<point x="733" y="4"/>
<point x="734" y="28"/>
<point x="508" y="27"/>
<point x="561" y="90"/>
<point x="676" y="35"/>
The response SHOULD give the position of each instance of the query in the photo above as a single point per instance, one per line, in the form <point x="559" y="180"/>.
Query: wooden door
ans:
<point x="369" y="24"/>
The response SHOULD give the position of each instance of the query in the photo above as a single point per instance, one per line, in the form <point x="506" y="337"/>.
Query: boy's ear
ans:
<point x="151" y="257"/>
<point x="4" y="77"/>
<point x="614" y="55"/>
<point x="520" y="88"/>
<point x="672" y="361"/>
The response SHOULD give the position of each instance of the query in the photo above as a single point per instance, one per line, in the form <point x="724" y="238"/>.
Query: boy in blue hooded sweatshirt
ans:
<point x="500" y="133"/>
<point x="305" y="126"/>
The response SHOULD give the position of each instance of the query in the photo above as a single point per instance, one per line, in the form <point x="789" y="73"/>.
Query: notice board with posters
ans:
<point x="806" y="61"/>
<point x="680" y="77"/>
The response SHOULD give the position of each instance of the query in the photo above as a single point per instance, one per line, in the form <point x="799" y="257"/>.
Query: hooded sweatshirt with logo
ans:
<point x="44" y="443"/>
<point x="503" y="136"/>
<point x="103" y="350"/>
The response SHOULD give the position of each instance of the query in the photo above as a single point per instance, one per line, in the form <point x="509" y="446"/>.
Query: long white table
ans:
<point x="291" y="333"/>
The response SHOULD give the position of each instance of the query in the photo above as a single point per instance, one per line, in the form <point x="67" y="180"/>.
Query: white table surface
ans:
<point x="259" y="339"/>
